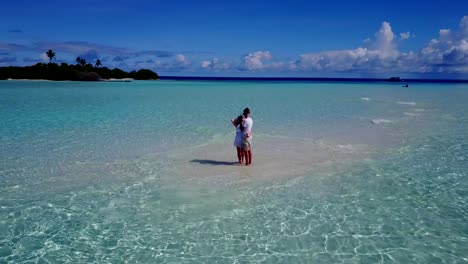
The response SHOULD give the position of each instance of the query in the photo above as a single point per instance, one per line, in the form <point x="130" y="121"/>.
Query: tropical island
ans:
<point x="81" y="71"/>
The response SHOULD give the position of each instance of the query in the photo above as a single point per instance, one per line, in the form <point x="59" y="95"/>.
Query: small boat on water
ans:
<point x="395" y="79"/>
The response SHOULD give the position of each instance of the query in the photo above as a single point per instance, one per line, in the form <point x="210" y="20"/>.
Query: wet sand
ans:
<point x="273" y="157"/>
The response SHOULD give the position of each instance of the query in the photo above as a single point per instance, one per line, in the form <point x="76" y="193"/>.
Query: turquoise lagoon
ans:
<point x="144" y="172"/>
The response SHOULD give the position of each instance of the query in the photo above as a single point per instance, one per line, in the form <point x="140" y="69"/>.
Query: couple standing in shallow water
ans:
<point x="243" y="140"/>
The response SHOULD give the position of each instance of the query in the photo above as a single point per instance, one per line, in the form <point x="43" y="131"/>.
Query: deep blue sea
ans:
<point x="145" y="172"/>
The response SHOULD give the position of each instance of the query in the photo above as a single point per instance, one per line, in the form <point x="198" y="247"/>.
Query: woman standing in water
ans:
<point x="239" y="137"/>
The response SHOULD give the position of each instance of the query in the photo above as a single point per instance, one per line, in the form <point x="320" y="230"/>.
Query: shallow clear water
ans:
<point x="142" y="172"/>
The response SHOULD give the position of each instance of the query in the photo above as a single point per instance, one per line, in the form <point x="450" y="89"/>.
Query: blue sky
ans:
<point x="244" y="38"/>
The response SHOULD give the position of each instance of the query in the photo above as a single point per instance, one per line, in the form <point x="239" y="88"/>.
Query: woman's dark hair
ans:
<point x="239" y="120"/>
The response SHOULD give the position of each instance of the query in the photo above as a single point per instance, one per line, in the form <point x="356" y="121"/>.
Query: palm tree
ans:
<point x="80" y="61"/>
<point x="98" y="63"/>
<point x="51" y="55"/>
<point x="83" y="62"/>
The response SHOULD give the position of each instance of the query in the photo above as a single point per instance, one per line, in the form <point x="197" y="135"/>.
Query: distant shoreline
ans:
<point x="305" y="79"/>
<point x="47" y="80"/>
<point x="264" y="79"/>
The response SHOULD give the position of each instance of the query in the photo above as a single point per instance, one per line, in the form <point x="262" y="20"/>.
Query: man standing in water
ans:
<point x="247" y="139"/>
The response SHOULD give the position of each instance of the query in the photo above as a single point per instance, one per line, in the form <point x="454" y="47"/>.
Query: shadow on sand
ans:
<point x="215" y="162"/>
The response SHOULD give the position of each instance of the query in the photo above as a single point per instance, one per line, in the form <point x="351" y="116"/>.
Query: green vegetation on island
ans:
<point x="82" y="71"/>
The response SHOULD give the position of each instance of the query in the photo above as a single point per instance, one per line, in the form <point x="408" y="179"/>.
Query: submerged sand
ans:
<point x="282" y="156"/>
<point x="273" y="157"/>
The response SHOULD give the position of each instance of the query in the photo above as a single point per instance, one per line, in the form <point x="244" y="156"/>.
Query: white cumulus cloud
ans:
<point x="180" y="58"/>
<point x="216" y="64"/>
<point x="209" y="63"/>
<point x="178" y="64"/>
<point x="205" y="64"/>
<point x="405" y="35"/>
<point x="384" y="39"/>
<point x="377" y="53"/>
<point x="448" y="53"/>
<point x="256" y="60"/>
<point x="44" y="57"/>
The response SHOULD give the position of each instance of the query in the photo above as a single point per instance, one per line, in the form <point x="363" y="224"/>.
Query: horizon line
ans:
<point x="239" y="78"/>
